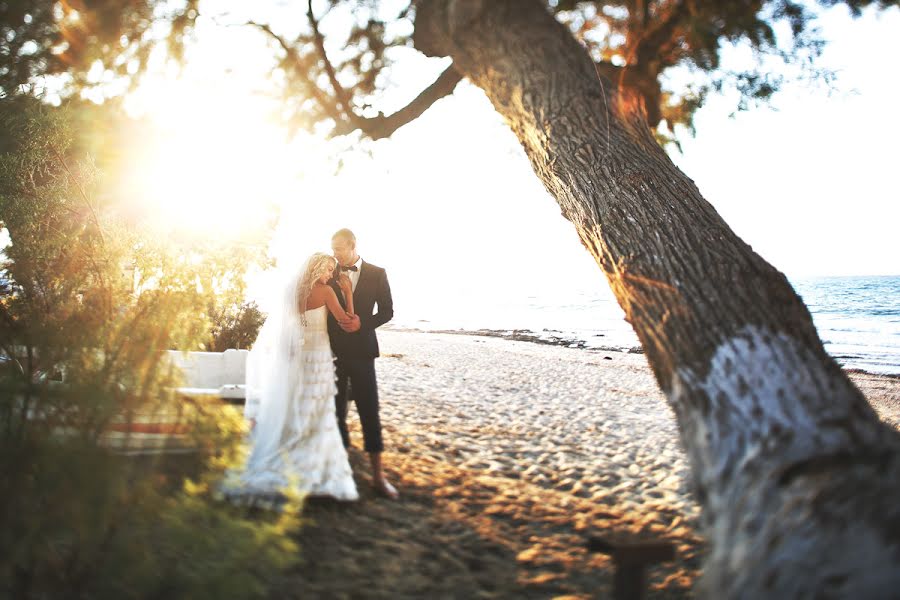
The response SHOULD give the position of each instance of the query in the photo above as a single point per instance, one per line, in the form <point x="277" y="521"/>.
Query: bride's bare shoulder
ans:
<point x="318" y="296"/>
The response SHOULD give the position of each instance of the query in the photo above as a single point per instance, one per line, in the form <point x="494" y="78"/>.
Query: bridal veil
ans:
<point x="274" y="376"/>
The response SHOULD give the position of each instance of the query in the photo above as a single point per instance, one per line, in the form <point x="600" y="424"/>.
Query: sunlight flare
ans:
<point x="215" y="163"/>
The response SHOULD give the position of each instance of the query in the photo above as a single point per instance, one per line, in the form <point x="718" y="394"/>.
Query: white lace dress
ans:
<point x="308" y="452"/>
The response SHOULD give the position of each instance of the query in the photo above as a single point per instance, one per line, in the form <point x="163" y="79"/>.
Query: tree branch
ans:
<point x="81" y="192"/>
<point x="651" y="40"/>
<point x="97" y="224"/>
<point x="11" y="326"/>
<point x="383" y="126"/>
<point x="340" y="107"/>
<point x="268" y="31"/>
<point x="642" y="13"/>
<point x="340" y="93"/>
<point x="318" y="95"/>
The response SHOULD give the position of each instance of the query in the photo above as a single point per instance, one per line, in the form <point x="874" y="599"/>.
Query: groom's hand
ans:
<point x="350" y="325"/>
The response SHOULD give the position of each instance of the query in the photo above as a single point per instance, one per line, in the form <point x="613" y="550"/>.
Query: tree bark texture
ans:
<point x="798" y="478"/>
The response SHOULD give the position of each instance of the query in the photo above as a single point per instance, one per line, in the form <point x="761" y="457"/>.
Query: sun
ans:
<point x="214" y="162"/>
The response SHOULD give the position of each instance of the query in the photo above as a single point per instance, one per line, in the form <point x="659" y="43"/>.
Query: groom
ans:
<point x="355" y="346"/>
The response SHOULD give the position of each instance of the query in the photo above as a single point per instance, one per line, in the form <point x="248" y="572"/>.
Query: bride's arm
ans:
<point x="347" y="289"/>
<point x="334" y="305"/>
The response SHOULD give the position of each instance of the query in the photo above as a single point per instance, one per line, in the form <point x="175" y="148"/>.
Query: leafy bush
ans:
<point x="88" y="304"/>
<point x="236" y="327"/>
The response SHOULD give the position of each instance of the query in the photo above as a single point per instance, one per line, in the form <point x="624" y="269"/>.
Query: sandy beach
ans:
<point x="509" y="455"/>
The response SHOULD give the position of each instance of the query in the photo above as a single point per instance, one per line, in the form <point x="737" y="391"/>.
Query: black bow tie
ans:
<point x="350" y="268"/>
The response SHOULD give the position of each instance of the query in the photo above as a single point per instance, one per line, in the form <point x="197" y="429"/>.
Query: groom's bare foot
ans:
<point x="386" y="489"/>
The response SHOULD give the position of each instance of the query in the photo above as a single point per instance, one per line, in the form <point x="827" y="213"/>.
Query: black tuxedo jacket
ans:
<point x="372" y="289"/>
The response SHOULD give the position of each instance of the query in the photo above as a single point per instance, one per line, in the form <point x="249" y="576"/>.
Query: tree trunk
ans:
<point x="797" y="477"/>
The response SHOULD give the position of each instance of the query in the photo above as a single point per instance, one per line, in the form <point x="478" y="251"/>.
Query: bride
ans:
<point x="290" y="394"/>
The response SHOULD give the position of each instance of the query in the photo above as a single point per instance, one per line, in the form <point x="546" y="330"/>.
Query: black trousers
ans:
<point x="359" y="373"/>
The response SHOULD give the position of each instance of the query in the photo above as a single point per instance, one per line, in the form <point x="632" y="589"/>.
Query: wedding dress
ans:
<point x="290" y="392"/>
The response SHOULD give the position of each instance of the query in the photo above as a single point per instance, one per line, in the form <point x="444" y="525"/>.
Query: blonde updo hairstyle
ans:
<point x="317" y="266"/>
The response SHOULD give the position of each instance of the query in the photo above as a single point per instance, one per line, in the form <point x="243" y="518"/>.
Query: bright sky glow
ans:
<point x="812" y="186"/>
<point x="205" y="169"/>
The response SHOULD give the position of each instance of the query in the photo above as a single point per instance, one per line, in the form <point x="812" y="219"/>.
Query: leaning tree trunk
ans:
<point x="797" y="477"/>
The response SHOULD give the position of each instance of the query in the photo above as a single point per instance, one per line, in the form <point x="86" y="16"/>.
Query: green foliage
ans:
<point x="329" y="64"/>
<point x="236" y="327"/>
<point x="88" y="304"/>
<point x="72" y="38"/>
<point x="79" y="521"/>
<point x="652" y="41"/>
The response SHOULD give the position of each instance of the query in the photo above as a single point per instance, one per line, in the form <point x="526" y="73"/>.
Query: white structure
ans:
<point x="206" y="375"/>
<point x="219" y="374"/>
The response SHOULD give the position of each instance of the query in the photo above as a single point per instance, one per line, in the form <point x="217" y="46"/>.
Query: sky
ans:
<point x="812" y="184"/>
<point x="450" y="202"/>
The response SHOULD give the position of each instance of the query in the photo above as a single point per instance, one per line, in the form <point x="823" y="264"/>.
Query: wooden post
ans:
<point x="631" y="560"/>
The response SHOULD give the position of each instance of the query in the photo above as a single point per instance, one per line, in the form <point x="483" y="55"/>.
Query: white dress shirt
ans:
<point x="354" y="275"/>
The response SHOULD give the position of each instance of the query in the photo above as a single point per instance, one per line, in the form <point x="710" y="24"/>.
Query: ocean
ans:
<point x="858" y="318"/>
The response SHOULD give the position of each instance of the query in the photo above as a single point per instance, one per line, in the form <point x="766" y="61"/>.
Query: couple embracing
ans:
<point x="315" y="352"/>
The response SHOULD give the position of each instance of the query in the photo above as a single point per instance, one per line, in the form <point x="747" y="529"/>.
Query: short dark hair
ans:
<point x="346" y="235"/>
